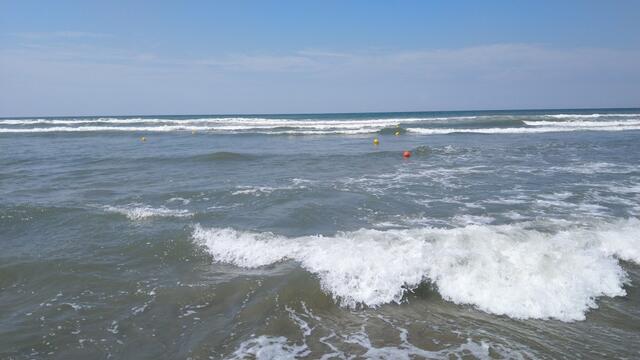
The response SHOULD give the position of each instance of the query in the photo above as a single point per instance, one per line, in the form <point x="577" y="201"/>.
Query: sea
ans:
<point x="505" y="235"/>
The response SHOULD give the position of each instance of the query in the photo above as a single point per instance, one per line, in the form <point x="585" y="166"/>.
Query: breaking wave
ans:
<point x="523" y="130"/>
<point x="511" y="270"/>
<point x="140" y="212"/>
<point x="334" y="124"/>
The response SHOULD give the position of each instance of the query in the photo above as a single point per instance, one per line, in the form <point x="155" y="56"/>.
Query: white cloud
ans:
<point x="261" y="63"/>
<point x="97" y="80"/>
<point x="60" y="35"/>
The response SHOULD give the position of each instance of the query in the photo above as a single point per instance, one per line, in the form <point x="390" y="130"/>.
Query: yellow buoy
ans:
<point x="376" y="141"/>
<point x="397" y="133"/>
<point x="143" y="139"/>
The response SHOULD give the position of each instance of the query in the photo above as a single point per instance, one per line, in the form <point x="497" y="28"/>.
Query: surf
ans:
<point x="523" y="271"/>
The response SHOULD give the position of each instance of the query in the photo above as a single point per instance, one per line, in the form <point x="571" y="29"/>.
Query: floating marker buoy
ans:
<point x="397" y="133"/>
<point x="406" y="154"/>
<point x="143" y="139"/>
<point x="376" y="141"/>
<point x="193" y="132"/>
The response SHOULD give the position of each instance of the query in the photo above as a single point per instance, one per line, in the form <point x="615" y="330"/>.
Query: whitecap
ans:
<point x="508" y="270"/>
<point x="141" y="212"/>
<point x="521" y="130"/>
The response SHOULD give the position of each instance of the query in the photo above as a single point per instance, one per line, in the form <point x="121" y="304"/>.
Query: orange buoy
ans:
<point x="406" y="154"/>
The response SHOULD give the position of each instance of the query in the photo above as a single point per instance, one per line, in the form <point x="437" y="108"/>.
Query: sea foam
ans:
<point x="523" y="130"/>
<point x="140" y="211"/>
<point x="484" y="124"/>
<point x="510" y="270"/>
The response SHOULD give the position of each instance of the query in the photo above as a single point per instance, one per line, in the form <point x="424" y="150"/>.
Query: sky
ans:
<point x="74" y="58"/>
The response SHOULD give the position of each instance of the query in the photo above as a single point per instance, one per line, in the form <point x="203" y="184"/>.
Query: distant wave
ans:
<point x="536" y="274"/>
<point x="229" y="121"/>
<point x="249" y="121"/>
<point x="486" y="124"/>
<point x="151" y="129"/>
<point x="541" y="129"/>
<point x="592" y="116"/>
<point x="140" y="211"/>
<point x="584" y="124"/>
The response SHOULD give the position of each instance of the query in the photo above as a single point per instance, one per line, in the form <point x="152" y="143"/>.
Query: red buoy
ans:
<point x="406" y="154"/>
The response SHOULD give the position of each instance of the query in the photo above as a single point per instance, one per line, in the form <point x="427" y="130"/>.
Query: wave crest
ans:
<point x="140" y="212"/>
<point x="346" y="124"/>
<point x="506" y="270"/>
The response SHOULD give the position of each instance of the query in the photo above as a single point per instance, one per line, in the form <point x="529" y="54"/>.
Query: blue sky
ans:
<point x="207" y="57"/>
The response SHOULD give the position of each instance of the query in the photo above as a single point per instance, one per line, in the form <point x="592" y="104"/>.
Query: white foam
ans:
<point x="234" y="121"/>
<point x="589" y="116"/>
<point x="228" y="124"/>
<point x="254" y="190"/>
<point x="521" y="130"/>
<point x="140" y="211"/>
<point x="183" y="200"/>
<point x="557" y="195"/>
<point x="76" y="307"/>
<point x="183" y="128"/>
<point x="309" y="126"/>
<point x="407" y="350"/>
<point x="266" y="190"/>
<point x="509" y="269"/>
<point x="310" y="121"/>
<point x="595" y="168"/>
<point x="509" y="201"/>
<point x="621" y="189"/>
<point x="513" y="215"/>
<point x="342" y="345"/>
<point x="269" y="347"/>
<point x="467" y="219"/>
<point x="584" y="124"/>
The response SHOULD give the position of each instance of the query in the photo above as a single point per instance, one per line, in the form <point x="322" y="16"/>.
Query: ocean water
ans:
<point x="508" y="234"/>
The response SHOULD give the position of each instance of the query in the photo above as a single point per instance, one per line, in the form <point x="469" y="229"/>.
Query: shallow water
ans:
<point x="505" y="235"/>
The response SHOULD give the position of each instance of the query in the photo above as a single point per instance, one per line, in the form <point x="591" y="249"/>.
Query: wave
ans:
<point x="588" y="116"/>
<point x="296" y="184"/>
<point x="312" y="121"/>
<point x="245" y="121"/>
<point x="142" y="129"/>
<point x="506" y="123"/>
<point x="510" y="270"/>
<point x="391" y="130"/>
<point x="238" y="130"/>
<point x="140" y="212"/>
<point x="584" y="124"/>
<point x="233" y="121"/>
<point x="530" y="130"/>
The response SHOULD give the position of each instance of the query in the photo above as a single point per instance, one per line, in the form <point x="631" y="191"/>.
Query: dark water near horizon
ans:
<point x="510" y="234"/>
